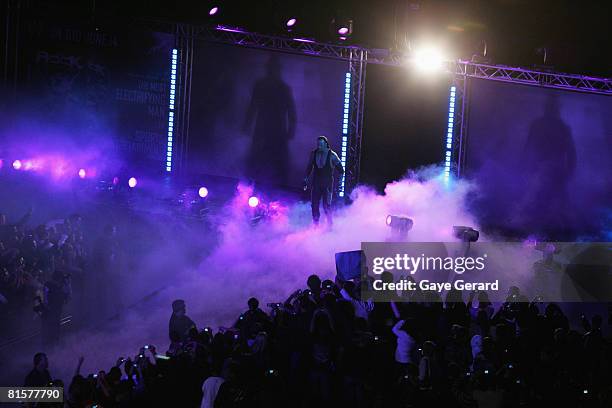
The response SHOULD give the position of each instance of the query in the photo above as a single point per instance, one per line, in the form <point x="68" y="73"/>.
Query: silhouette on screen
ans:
<point x="271" y="119"/>
<point x="550" y="162"/>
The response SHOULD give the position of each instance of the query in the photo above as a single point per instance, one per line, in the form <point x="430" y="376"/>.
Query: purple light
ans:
<point x="115" y="180"/>
<point x="306" y="40"/>
<point x="203" y="192"/>
<point x="213" y="11"/>
<point x="17" y="164"/>
<point x="132" y="182"/>
<point x="343" y="38"/>
<point x="291" y="22"/>
<point x="343" y="30"/>
<point x="82" y="173"/>
<point x="389" y="219"/>
<point x="253" y="202"/>
<point x="229" y="29"/>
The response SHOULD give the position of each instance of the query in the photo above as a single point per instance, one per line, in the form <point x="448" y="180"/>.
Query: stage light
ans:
<point x="465" y="234"/>
<point x="291" y="22"/>
<point x="17" y="164"/>
<point x="343" y="27"/>
<point x="345" y="128"/>
<point x="203" y="192"/>
<point x="82" y="173"/>
<point x="399" y="223"/>
<point x="428" y="59"/>
<point x="213" y="10"/>
<point x="449" y="132"/>
<point x="171" y="122"/>
<point x="253" y="201"/>
<point x="115" y="180"/>
<point x="132" y="182"/>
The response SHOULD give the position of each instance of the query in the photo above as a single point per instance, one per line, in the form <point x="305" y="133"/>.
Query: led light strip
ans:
<point x="449" y="133"/>
<point x="171" y="109"/>
<point x="345" y="126"/>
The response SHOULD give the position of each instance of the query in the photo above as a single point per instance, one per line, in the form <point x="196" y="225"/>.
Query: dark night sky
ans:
<point x="576" y="33"/>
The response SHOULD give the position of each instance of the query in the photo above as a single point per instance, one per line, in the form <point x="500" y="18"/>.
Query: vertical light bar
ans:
<point x="171" y="110"/>
<point x="449" y="133"/>
<point x="345" y="127"/>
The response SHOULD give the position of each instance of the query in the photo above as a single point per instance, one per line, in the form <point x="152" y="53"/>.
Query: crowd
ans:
<point x="37" y="267"/>
<point x="324" y="347"/>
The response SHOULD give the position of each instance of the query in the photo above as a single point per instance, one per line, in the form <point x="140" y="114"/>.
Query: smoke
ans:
<point x="216" y="272"/>
<point x="268" y="260"/>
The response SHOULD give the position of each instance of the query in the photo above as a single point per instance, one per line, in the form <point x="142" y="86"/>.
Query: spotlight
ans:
<point x="82" y="173"/>
<point x="399" y="224"/>
<point x="213" y="11"/>
<point x="17" y="164"/>
<point x="343" y="27"/>
<point x="253" y="201"/>
<point x="465" y="234"/>
<point x="203" y="192"/>
<point x="428" y="59"/>
<point x="132" y="182"/>
<point x="291" y="22"/>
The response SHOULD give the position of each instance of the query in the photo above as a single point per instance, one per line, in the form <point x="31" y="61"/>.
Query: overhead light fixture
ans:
<point x="342" y="27"/>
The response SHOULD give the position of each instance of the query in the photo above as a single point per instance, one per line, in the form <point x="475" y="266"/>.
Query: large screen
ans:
<point x="256" y="114"/>
<point x="541" y="159"/>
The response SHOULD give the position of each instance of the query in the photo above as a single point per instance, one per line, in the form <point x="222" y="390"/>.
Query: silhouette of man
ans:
<point x="550" y="162"/>
<point x="272" y="108"/>
<point x="323" y="160"/>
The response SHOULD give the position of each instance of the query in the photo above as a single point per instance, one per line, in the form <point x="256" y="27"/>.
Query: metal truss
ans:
<point x="460" y="122"/>
<point x="357" y="68"/>
<point x="533" y="77"/>
<point x="237" y="36"/>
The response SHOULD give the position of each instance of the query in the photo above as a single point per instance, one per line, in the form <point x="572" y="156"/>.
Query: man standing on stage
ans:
<point x="320" y="175"/>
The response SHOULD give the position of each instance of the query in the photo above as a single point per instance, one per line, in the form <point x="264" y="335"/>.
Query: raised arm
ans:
<point x="396" y="329"/>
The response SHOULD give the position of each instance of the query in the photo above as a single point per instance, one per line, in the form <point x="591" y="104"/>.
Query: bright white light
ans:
<point x="203" y="192"/>
<point x="132" y="182"/>
<point x="428" y="59"/>
<point x="253" y="202"/>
